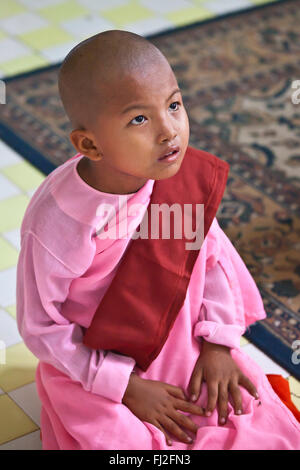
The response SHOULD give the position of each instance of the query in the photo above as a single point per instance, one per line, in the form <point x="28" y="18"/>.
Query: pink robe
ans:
<point x="63" y="273"/>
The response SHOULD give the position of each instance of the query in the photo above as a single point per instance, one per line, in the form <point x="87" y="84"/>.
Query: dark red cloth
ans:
<point x="140" y="306"/>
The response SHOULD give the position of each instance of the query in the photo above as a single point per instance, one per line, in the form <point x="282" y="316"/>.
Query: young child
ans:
<point x="101" y="399"/>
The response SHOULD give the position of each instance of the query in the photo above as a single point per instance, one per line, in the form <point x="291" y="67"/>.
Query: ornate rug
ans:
<point x="236" y="74"/>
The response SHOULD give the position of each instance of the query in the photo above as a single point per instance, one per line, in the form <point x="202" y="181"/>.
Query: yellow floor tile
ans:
<point x="14" y="422"/>
<point x="2" y="353"/>
<point x="295" y="391"/>
<point x="189" y="15"/>
<point x="19" y="369"/>
<point x="24" y="175"/>
<point x="260" y="2"/>
<point x="10" y="8"/>
<point x="243" y="341"/>
<point x="23" y="64"/>
<point x="63" y="11"/>
<point x="45" y="37"/>
<point x="9" y="255"/>
<point x="11" y="309"/>
<point x="12" y="212"/>
<point x="128" y="13"/>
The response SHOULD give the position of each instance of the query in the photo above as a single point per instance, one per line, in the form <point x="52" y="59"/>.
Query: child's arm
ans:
<point x="43" y="284"/>
<point x="231" y="300"/>
<point x="218" y="317"/>
<point x="222" y="320"/>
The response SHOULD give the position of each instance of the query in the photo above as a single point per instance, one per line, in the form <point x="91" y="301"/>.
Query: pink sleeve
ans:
<point x="218" y="311"/>
<point x="42" y="286"/>
<point x="231" y="299"/>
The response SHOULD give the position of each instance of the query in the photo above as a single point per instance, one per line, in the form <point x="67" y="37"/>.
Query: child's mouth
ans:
<point x="170" y="156"/>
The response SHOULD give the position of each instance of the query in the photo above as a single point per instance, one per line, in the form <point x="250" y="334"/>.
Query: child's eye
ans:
<point x="177" y="103"/>
<point x="137" y="117"/>
<point x="141" y="116"/>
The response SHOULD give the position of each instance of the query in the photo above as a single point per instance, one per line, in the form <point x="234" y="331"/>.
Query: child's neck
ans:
<point x="89" y="176"/>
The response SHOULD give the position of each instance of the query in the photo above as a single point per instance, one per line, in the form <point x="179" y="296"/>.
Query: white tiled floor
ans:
<point x="8" y="288"/>
<point x="34" y="33"/>
<point x="30" y="441"/>
<point x="9" y="332"/>
<point x="27" y="398"/>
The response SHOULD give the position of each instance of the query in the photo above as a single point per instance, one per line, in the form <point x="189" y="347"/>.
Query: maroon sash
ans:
<point x="141" y="304"/>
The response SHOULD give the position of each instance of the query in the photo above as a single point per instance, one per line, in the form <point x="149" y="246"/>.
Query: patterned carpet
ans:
<point x="236" y="74"/>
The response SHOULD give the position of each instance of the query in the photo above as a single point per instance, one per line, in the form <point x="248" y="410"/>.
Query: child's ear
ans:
<point x="84" y="143"/>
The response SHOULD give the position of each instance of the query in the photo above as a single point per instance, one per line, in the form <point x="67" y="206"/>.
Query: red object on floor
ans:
<point x="281" y="386"/>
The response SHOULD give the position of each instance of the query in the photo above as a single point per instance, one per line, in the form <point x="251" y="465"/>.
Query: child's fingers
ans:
<point x="223" y="402"/>
<point x="176" y="392"/>
<point x="170" y="425"/>
<point x="212" y="393"/>
<point x="248" y="385"/>
<point x="168" y="439"/>
<point x="194" y="388"/>
<point x="183" y="421"/>
<point x="188" y="407"/>
<point x="236" y="396"/>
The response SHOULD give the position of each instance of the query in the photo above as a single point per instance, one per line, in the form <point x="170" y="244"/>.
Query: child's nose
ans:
<point x="167" y="131"/>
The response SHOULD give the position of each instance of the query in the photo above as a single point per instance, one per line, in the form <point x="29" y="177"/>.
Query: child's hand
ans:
<point x="157" y="403"/>
<point x="216" y="367"/>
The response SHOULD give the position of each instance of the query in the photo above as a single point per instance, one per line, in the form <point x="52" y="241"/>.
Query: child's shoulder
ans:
<point x="53" y="216"/>
<point x="44" y="200"/>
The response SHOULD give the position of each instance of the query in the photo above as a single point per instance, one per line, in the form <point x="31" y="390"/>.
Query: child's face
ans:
<point x="132" y="141"/>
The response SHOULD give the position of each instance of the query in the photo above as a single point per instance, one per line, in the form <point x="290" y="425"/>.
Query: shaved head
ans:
<point x="94" y="68"/>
